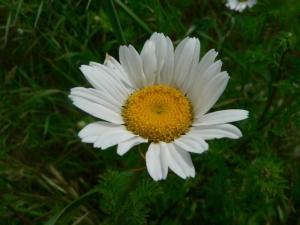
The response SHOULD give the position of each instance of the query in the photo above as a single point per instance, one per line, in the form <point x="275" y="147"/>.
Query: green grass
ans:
<point x="44" y="167"/>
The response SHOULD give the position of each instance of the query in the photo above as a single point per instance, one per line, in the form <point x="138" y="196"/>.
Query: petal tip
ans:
<point x="107" y="58"/>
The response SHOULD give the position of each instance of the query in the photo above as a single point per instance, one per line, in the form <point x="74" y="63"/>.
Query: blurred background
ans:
<point x="44" y="167"/>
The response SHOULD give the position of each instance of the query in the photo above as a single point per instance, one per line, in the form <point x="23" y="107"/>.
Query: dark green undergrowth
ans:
<point x="44" y="167"/>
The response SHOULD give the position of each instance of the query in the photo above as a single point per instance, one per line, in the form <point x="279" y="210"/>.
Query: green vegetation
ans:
<point x="48" y="175"/>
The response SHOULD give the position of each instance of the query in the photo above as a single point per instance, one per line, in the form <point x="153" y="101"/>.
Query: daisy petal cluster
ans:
<point x="240" y="5"/>
<point x="160" y="97"/>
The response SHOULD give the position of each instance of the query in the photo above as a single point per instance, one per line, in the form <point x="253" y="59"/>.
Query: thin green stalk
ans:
<point x="132" y="183"/>
<point x="262" y="29"/>
<point x="265" y="123"/>
<point x="286" y="103"/>
<point x="274" y="90"/>
<point x="114" y="20"/>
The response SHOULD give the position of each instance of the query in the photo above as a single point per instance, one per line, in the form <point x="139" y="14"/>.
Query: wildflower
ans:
<point x="240" y="5"/>
<point x="159" y="97"/>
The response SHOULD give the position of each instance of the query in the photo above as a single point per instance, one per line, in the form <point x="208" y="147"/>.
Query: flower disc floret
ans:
<point x="158" y="113"/>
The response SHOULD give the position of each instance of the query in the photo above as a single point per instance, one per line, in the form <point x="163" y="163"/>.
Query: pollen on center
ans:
<point x="158" y="113"/>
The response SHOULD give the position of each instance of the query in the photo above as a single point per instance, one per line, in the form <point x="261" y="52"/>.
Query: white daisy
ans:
<point x="160" y="96"/>
<point x="240" y="5"/>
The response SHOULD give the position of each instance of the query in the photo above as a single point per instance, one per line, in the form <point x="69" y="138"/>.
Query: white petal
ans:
<point x="112" y="138"/>
<point x="95" y="96"/>
<point x="98" y="110"/>
<point x="114" y="83"/>
<point x="207" y="60"/>
<point x="149" y="62"/>
<point x="117" y="71"/>
<point x="96" y="128"/>
<point x="154" y="162"/>
<point x="93" y="131"/>
<point x="187" y="164"/>
<point x="90" y="139"/>
<point x="220" y="117"/>
<point x="131" y="62"/>
<point x="167" y="72"/>
<point x="94" y="78"/>
<point x="114" y="65"/>
<point x="211" y="94"/>
<point x="192" y="143"/>
<point x="100" y="102"/>
<point x="160" y="53"/>
<point x="251" y="3"/>
<point x="180" y="48"/>
<point x="172" y="163"/>
<point x="242" y="6"/>
<point x="211" y="72"/>
<point x="234" y="4"/>
<point x="163" y="160"/>
<point x="151" y="161"/>
<point x="105" y="82"/>
<point x="183" y="159"/>
<point x="125" y="146"/>
<point x="183" y="61"/>
<point x="202" y="80"/>
<point x="192" y="73"/>
<point x="217" y="131"/>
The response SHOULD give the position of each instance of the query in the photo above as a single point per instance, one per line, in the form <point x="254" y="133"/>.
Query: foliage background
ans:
<point x="44" y="167"/>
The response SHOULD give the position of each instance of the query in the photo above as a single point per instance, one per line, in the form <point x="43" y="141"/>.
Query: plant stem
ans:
<point x="262" y="120"/>
<point x="286" y="103"/>
<point x="114" y="20"/>
<point x="132" y="183"/>
<point x="263" y="125"/>
<point x="274" y="90"/>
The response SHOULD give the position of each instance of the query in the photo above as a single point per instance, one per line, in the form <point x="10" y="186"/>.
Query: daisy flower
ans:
<point x="240" y="5"/>
<point x="159" y="97"/>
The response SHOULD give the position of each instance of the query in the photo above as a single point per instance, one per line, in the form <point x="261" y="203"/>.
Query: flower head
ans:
<point x="240" y="5"/>
<point x="160" y="97"/>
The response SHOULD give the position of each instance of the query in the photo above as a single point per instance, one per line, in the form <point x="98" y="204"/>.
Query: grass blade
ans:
<point x="72" y="206"/>
<point x="114" y="20"/>
<point x="39" y="13"/>
<point x="134" y="16"/>
<point x="18" y="10"/>
<point x="7" y="28"/>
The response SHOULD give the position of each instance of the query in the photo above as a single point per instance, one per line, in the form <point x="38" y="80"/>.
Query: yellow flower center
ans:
<point x="158" y="113"/>
<point x="242" y="0"/>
